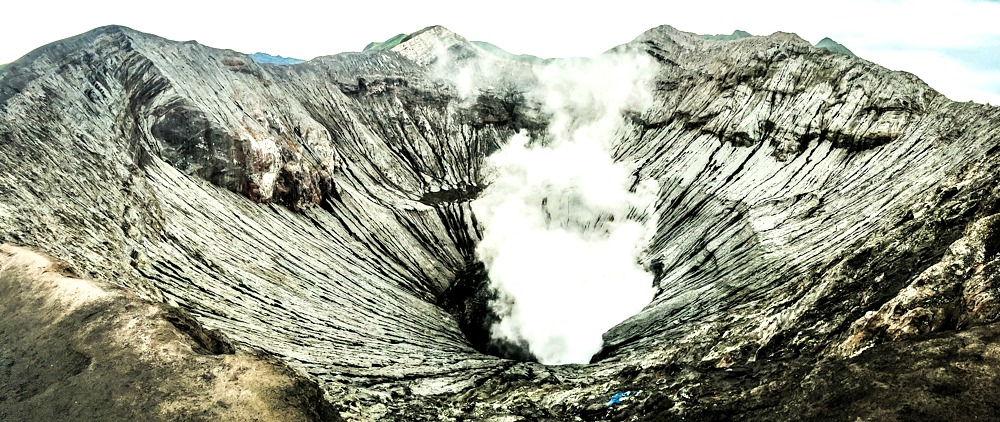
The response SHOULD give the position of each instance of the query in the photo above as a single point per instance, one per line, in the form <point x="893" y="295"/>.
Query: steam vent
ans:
<point x="684" y="228"/>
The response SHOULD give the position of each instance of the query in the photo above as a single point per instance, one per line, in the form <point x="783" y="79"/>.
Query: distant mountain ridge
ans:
<point x="833" y="46"/>
<point x="736" y="35"/>
<point x="398" y="39"/>
<point x="387" y="44"/>
<point x="267" y="58"/>
<point x="826" y="43"/>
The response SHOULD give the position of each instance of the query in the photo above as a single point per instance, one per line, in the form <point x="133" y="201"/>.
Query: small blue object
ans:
<point x="618" y="398"/>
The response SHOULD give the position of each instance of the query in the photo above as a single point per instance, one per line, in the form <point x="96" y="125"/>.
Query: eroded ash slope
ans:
<point x="812" y="206"/>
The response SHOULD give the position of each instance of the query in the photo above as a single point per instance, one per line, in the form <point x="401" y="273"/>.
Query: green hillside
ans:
<point x="387" y="44"/>
<point x="831" y="45"/>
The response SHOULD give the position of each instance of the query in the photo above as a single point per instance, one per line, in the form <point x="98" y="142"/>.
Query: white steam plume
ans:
<point x="564" y="224"/>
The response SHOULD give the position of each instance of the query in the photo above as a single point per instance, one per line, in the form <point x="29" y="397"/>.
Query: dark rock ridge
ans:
<point x="825" y="248"/>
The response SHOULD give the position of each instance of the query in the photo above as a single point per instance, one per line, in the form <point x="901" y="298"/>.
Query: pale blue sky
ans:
<point x="953" y="45"/>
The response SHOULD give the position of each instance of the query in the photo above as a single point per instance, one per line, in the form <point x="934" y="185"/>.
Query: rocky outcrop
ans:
<point x="820" y="218"/>
<point x="955" y="293"/>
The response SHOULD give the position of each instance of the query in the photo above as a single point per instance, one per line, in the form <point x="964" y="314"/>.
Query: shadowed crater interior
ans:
<point x="468" y="299"/>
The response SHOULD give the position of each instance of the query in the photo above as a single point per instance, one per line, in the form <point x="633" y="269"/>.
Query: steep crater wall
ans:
<point x="320" y="211"/>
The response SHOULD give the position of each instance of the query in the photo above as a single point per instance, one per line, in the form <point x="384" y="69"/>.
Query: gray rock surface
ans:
<point x="824" y="222"/>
